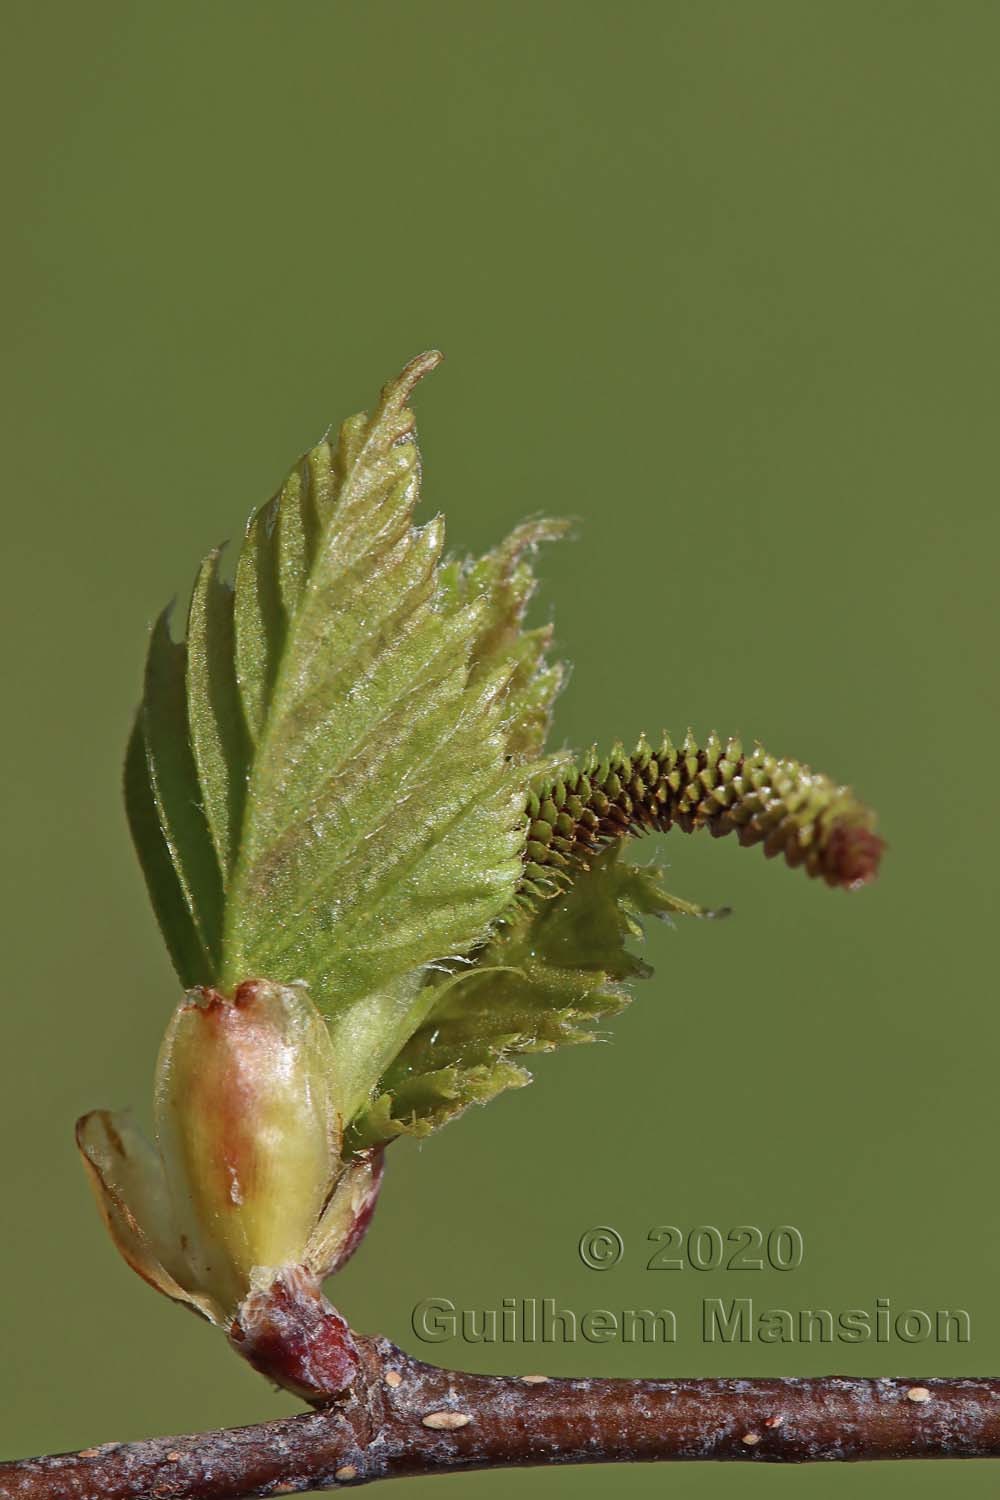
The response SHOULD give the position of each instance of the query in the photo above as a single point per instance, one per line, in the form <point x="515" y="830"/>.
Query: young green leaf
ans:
<point x="329" y="774"/>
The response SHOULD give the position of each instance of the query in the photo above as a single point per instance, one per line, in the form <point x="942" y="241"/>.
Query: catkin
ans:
<point x="791" y="810"/>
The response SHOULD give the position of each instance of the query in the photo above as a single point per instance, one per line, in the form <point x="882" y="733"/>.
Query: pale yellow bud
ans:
<point x="247" y="1152"/>
<point x="248" y="1129"/>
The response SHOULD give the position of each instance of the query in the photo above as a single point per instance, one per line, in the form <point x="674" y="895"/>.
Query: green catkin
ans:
<point x="791" y="810"/>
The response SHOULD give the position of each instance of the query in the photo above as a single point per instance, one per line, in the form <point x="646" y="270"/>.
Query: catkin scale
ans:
<point x="793" y="811"/>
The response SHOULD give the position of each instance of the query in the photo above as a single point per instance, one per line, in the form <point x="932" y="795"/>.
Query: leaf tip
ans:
<point x="398" y="391"/>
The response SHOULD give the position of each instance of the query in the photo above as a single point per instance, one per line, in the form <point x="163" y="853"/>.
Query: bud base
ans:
<point x="291" y="1333"/>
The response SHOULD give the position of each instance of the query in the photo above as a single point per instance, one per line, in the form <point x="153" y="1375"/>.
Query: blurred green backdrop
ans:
<point x="718" y="279"/>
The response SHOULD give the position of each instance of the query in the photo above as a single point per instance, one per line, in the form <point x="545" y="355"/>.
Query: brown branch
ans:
<point x="401" y="1417"/>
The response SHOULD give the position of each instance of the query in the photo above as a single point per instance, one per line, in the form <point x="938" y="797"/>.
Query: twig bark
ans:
<point x="402" y="1417"/>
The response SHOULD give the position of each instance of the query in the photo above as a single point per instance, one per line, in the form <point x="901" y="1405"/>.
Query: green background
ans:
<point x="721" y="281"/>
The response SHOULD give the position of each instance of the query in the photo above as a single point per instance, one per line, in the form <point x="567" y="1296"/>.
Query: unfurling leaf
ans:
<point x="552" y="970"/>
